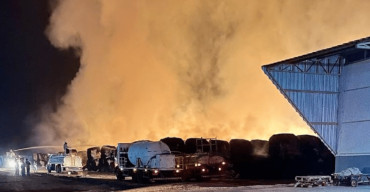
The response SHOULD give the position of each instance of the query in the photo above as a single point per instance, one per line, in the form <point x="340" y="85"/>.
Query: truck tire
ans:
<point x="58" y="168"/>
<point x="119" y="176"/>
<point x="49" y="169"/>
<point x="140" y="178"/>
<point x="134" y="177"/>
<point x="354" y="183"/>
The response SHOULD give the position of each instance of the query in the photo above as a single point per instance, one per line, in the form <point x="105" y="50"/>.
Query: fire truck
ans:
<point x="62" y="162"/>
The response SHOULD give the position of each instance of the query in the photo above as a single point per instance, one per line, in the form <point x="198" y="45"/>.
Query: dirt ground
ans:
<point x="91" y="181"/>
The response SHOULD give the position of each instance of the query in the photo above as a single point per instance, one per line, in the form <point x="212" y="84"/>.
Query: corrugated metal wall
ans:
<point x="313" y="92"/>
<point x="354" y="113"/>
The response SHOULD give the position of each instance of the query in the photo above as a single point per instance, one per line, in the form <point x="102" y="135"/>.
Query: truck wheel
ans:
<point x="58" y="168"/>
<point x="119" y="176"/>
<point x="354" y="183"/>
<point x="134" y="177"/>
<point x="185" y="176"/>
<point x="140" y="178"/>
<point x="199" y="178"/>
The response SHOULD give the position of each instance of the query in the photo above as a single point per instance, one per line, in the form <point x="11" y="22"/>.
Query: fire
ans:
<point x="152" y="69"/>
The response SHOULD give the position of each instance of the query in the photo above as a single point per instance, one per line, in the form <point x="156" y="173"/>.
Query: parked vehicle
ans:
<point x="206" y="162"/>
<point x="350" y="176"/>
<point x="62" y="162"/>
<point x="147" y="161"/>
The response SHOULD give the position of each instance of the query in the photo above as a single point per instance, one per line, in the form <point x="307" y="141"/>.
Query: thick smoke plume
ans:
<point x="151" y="69"/>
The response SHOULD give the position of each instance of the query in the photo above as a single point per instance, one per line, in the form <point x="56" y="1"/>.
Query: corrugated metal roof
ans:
<point x="324" y="52"/>
<point x="311" y="85"/>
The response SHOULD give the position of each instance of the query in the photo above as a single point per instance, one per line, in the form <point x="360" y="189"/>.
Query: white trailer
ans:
<point x="147" y="161"/>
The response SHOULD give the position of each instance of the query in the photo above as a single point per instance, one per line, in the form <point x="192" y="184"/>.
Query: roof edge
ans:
<point x="323" y="52"/>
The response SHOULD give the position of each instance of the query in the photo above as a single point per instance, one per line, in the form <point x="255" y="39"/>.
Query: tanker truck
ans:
<point x="146" y="161"/>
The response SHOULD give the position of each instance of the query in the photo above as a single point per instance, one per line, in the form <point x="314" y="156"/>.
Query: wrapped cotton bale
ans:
<point x="83" y="156"/>
<point x="260" y="147"/>
<point x="240" y="156"/>
<point x="108" y="154"/>
<point x="174" y="143"/>
<point x="93" y="157"/>
<point x="326" y="160"/>
<point x="240" y="150"/>
<point x="310" y="151"/>
<point x="284" y="146"/>
<point x="41" y="159"/>
<point x="222" y="147"/>
<point x="284" y="152"/>
<point x="193" y="145"/>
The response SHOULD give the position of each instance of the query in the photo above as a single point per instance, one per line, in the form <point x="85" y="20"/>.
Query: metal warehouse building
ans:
<point x="330" y="89"/>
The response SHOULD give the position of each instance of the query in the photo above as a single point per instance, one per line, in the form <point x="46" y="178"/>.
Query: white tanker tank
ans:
<point x="147" y="151"/>
<point x="147" y="160"/>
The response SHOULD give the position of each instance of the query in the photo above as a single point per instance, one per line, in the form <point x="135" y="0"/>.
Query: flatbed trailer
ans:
<point x="352" y="180"/>
<point x="312" y="180"/>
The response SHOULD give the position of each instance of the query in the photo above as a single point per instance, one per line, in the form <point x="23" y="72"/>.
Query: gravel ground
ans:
<point x="92" y="181"/>
<point x="256" y="188"/>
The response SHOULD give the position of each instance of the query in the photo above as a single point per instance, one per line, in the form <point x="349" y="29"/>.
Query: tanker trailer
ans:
<point x="147" y="161"/>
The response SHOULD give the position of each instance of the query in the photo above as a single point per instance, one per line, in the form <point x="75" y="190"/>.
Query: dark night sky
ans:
<point x="32" y="72"/>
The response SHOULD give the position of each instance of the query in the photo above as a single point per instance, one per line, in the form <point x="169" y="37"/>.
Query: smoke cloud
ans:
<point x="152" y="69"/>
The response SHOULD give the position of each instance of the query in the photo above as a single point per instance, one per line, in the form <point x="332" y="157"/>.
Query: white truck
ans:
<point x="147" y="161"/>
<point x="64" y="162"/>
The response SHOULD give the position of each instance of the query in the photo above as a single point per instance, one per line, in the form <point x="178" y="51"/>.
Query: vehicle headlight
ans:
<point x="223" y="163"/>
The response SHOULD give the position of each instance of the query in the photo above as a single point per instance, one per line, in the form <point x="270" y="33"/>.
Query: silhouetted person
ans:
<point x="28" y="167"/>
<point x="23" y="167"/>
<point x="16" y="167"/>
<point x="65" y="146"/>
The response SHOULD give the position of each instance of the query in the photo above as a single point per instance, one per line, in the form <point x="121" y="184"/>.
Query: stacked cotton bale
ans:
<point x="284" y="152"/>
<point x="260" y="147"/>
<point x="310" y="149"/>
<point x="41" y="159"/>
<point x="83" y="156"/>
<point x="191" y="145"/>
<point x="316" y="158"/>
<point x="223" y="147"/>
<point x="326" y="161"/>
<point x="240" y="156"/>
<point x="284" y="156"/>
<point x="174" y="143"/>
<point x="93" y="157"/>
<point x="260" y="163"/>
<point x="106" y="161"/>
